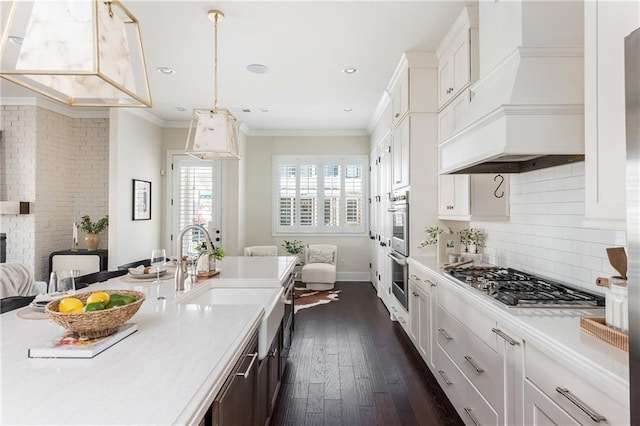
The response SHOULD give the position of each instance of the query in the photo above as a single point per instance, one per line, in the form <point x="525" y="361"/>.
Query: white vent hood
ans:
<point x="526" y="110"/>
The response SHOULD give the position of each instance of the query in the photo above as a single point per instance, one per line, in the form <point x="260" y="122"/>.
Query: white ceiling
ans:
<point x="305" y="45"/>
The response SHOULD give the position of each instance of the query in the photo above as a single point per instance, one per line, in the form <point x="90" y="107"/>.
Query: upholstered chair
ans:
<point x="319" y="270"/>
<point x="261" y="251"/>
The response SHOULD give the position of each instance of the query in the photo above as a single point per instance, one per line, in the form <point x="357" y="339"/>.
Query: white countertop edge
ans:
<point x="213" y="383"/>
<point x="603" y="379"/>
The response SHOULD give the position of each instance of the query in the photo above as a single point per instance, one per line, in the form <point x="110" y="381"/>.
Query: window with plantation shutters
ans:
<point x="196" y="200"/>
<point x="320" y="194"/>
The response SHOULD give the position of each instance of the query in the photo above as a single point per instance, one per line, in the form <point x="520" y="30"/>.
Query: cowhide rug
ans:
<point x="309" y="298"/>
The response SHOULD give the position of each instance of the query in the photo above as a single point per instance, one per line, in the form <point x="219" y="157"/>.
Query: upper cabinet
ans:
<point x="401" y="139"/>
<point x="458" y="56"/>
<point x="400" y="97"/>
<point x="605" y="27"/>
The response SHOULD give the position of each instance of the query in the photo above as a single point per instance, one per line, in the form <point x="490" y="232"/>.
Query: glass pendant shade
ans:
<point x="81" y="53"/>
<point x="213" y="135"/>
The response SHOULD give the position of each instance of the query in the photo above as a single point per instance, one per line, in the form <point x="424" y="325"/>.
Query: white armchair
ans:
<point x="261" y="251"/>
<point x="319" y="270"/>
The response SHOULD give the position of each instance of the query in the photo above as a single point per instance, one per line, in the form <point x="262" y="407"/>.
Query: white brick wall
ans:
<point x="67" y="167"/>
<point x="545" y="235"/>
<point x="18" y="180"/>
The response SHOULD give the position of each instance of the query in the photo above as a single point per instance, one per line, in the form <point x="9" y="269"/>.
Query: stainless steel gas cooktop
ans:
<point x="520" y="289"/>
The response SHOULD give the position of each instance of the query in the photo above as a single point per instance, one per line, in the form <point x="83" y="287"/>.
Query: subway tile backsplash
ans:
<point x="545" y="235"/>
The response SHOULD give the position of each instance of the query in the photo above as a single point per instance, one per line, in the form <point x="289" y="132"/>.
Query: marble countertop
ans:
<point x="555" y="331"/>
<point x="168" y="372"/>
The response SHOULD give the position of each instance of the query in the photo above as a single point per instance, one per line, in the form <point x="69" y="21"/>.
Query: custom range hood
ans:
<point x="526" y="110"/>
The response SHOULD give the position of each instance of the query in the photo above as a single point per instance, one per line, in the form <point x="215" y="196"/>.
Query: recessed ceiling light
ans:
<point x="258" y="68"/>
<point x="348" y="109"/>
<point x="264" y="110"/>
<point x="351" y="70"/>
<point x="16" y="40"/>
<point x="180" y="109"/>
<point x="165" y="70"/>
<point x="246" y="110"/>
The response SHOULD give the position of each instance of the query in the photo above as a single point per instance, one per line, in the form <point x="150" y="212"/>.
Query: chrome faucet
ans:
<point x="181" y="265"/>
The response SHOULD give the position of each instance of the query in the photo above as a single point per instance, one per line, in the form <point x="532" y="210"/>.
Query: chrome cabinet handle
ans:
<point x="248" y="371"/>
<point x="595" y="416"/>
<point x="402" y="320"/>
<point x="470" y="414"/>
<point x="505" y="336"/>
<point x="473" y="364"/>
<point x="445" y="334"/>
<point x="397" y="114"/>
<point x="444" y="376"/>
<point x="415" y="277"/>
<point x="430" y="283"/>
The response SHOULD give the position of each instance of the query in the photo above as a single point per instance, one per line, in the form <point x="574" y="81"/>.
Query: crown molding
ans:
<point x="322" y="133"/>
<point x="146" y="115"/>
<point x="385" y="99"/>
<point x="77" y="112"/>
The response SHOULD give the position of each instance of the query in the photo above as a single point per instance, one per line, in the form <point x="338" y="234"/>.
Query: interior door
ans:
<point x="195" y="200"/>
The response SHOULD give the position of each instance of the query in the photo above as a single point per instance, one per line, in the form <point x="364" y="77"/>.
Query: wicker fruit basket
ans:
<point x="95" y="324"/>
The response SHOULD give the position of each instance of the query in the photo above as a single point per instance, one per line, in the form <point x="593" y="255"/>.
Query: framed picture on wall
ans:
<point x="141" y="207"/>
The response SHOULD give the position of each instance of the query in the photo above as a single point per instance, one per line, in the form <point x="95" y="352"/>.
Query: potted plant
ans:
<point x="218" y="254"/>
<point x="294" y="248"/>
<point x="473" y="239"/>
<point x="433" y="232"/>
<point x="92" y="231"/>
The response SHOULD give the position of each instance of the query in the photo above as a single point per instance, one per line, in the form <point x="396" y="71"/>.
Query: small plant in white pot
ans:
<point x="294" y="248"/>
<point x="92" y="231"/>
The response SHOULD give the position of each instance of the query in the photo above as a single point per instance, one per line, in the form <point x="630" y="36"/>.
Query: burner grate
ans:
<point x="516" y="288"/>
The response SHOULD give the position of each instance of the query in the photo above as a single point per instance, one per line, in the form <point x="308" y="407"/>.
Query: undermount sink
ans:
<point x="270" y="299"/>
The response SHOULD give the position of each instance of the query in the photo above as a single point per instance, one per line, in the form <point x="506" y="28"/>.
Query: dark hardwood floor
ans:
<point x="350" y="365"/>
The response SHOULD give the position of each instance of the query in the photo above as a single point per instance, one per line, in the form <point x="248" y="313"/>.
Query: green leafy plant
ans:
<point x="432" y="232"/>
<point x="94" y="227"/>
<point x="294" y="247"/>
<point x="218" y="252"/>
<point x="472" y="236"/>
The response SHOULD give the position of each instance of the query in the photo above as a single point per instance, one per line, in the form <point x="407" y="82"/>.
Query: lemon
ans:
<point x="95" y="306"/>
<point x="98" y="297"/>
<point x="70" y="305"/>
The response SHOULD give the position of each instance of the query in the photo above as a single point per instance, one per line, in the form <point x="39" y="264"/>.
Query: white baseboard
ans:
<point x="353" y="276"/>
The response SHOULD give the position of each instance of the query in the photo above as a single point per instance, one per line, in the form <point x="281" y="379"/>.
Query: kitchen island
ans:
<point x="168" y="372"/>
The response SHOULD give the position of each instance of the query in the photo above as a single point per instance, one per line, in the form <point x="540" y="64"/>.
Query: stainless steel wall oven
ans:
<point x="400" y="244"/>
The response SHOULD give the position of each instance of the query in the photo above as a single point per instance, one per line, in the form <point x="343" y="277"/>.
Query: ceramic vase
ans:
<point x="91" y="241"/>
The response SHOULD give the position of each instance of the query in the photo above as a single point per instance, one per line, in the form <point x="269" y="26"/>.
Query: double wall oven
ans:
<point x="399" y="209"/>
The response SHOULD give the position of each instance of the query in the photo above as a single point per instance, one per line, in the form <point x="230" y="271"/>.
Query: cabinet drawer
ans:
<point x="479" y="323"/>
<point x="400" y="314"/>
<point x="472" y="407"/>
<point x="421" y="279"/>
<point x="563" y="387"/>
<point x="473" y="357"/>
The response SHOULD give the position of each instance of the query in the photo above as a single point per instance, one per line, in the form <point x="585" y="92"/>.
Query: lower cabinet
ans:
<point x="420" y="319"/>
<point x="556" y="393"/>
<point x="269" y="374"/>
<point x="237" y="401"/>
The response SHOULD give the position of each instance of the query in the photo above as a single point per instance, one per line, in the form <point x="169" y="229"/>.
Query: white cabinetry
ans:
<point x="606" y="25"/>
<point x="401" y="152"/>
<point x="453" y="197"/>
<point x="400" y="97"/>
<point x="421" y="319"/>
<point x="565" y="395"/>
<point x="458" y="56"/>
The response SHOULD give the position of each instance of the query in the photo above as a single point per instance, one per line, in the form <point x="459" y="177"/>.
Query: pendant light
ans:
<point x="81" y="53"/>
<point x="213" y="133"/>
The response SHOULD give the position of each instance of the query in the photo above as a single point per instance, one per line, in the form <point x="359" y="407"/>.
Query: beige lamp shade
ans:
<point x="213" y="135"/>
<point x="81" y="53"/>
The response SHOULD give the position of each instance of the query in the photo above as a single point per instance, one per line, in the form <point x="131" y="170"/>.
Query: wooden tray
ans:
<point x="596" y="326"/>
<point x="208" y="274"/>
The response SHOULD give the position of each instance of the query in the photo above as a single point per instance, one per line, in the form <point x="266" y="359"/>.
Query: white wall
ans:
<point x="59" y="164"/>
<point x="135" y="152"/>
<point x="353" y="251"/>
<point x="545" y="235"/>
